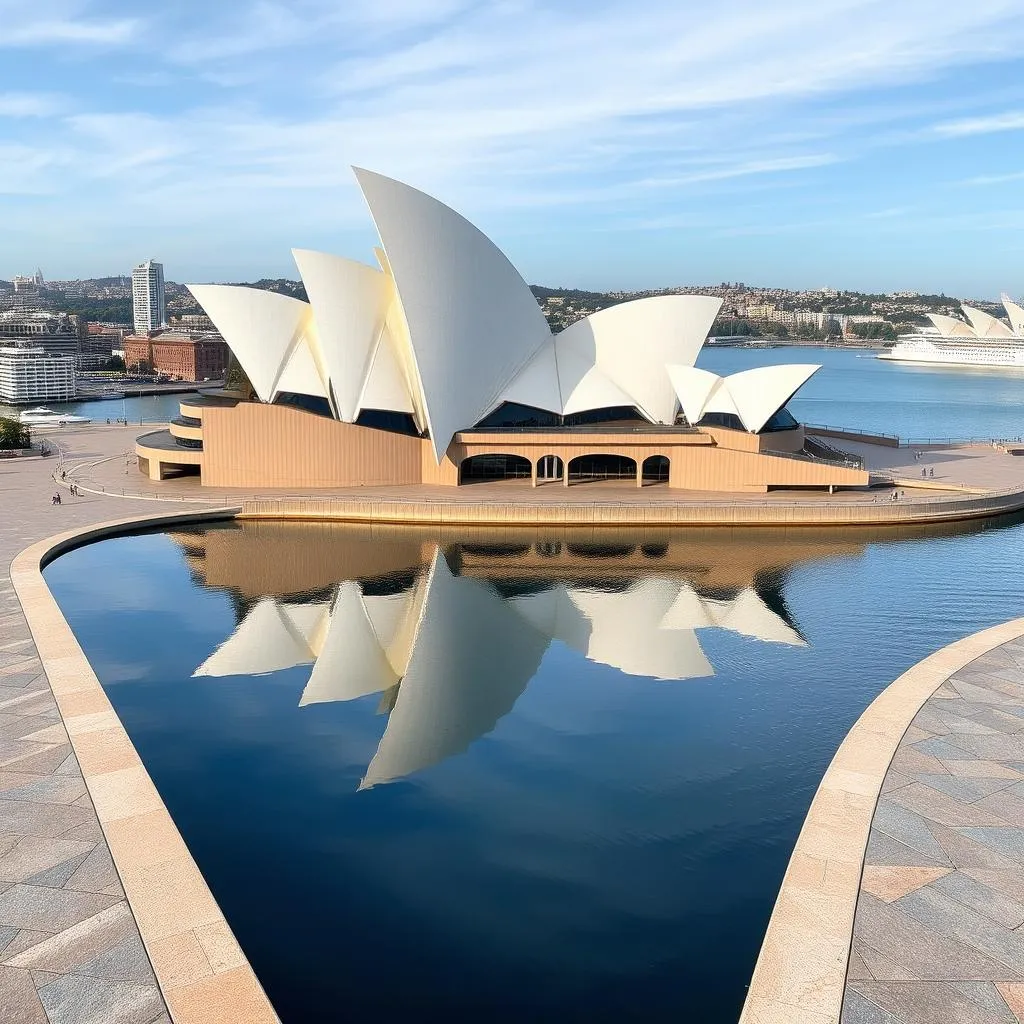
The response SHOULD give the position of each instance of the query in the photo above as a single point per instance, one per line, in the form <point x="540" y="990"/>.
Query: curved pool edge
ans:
<point x="203" y="974"/>
<point x="801" y="970"/>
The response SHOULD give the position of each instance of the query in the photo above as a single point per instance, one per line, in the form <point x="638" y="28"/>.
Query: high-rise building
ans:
<point x="148" y="306"/>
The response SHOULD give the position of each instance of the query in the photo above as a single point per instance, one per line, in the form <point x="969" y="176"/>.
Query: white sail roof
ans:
<point x="473" y="321"/>
<point x="447" y="330"/>
<point x="762" y="392"/>
<point x="951" y="327"/>
<point x="985" y="325"/>
<point x="260" y="327"/>
<point x="1015" y="313"/>
<point x="752" y="395"/>
<point x="631" y="343"/>
<point x="349" y="301"/>
<point x="302" y="374"/>
<point x="694" y="387"/>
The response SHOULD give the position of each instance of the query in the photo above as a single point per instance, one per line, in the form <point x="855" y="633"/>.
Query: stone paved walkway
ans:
<point x="939" y="929"/>
<point x="70" y="951"/>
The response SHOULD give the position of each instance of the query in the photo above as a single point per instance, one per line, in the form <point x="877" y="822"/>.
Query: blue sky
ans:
<point x="851" y="143"/>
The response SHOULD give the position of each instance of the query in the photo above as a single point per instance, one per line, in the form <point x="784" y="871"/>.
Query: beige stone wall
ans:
<point x="252" y="445"/>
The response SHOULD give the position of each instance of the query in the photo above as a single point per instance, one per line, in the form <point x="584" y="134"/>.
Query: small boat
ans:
<point x="47" y="417"/>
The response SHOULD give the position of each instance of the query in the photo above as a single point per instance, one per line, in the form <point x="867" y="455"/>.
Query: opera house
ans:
<point x="437" y="367"/>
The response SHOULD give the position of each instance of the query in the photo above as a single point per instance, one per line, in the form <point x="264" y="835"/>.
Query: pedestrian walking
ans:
<point x="924" y="472"/>
<point x="931" y="471"/>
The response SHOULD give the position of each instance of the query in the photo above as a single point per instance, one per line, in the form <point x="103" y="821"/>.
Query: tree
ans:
<point x="14" y="434"/>
<point x="114" y="363"/>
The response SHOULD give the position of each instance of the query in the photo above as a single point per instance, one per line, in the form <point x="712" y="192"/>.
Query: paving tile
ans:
<point x="58" y="875"/>
<point x="46" y="789"/>
<point x="984" y="994"/>
<point x="24" y="938"/>
<point x="127" y="961"/>
<point x="34" y="906"/>
<point x="908" y="760"/>
<point x="967" y="852"/>
<point x="980" y="694"/>
<point x="1003" y="719"/>
<point x="998" y="747"/>
<point x="966" y="790"/>
<point x="934" y="805"/>
<point x="78" y="1000"/>
<point x="917" y="948"/>
<point x="1010" y="882"/>
<point x="1008" y="804"/>
<point x="880" y="967"/>
<point x="943" y="748"/>
<point x="957" y="921"/>
<point x="43" y="761"/>
<point x="22" y="817"/>
<point x="96" y="873"/>
<point x="883" y="850"/>
<point x="857" y="968"/>
<point x="858" y="1010"/>
<point x="984" y="769"/>
<point x="67" y="950"/>
<point x="916" y="1002"/>
<point x="1006" y="841"/>
<point x="1013" y="994"/>
<point x="894" y="780"/>
<point x="18" y="998"/>
<point x="892" y="883"/>
<point x="993" y="903"/>
<point x="906" y="826"/>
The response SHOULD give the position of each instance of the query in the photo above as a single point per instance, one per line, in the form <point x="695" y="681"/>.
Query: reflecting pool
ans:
<point x="527" y="773"/>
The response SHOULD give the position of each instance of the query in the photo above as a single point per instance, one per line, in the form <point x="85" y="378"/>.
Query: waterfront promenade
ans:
<point x="916" y="860"/>
<point x="903" y="902"/>
<point x="70" y="945"/>
<point x="963" y="482"/>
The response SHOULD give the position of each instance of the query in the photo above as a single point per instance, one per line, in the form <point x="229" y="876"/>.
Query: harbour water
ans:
<point x="527" y="774"/>
<point x="853" y="389"/>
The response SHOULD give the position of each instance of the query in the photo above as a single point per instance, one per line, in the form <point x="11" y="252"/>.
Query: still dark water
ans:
<point x="432" y="771"/>
<point x="527" y="774"/>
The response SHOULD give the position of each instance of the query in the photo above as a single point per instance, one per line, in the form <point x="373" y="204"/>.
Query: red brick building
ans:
<point x="178" y="354"/>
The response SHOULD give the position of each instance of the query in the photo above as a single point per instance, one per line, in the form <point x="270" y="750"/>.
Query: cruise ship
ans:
<point x="978" y="340"/>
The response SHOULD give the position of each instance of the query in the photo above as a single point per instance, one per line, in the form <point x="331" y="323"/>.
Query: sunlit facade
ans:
<point x="442" y="346"/>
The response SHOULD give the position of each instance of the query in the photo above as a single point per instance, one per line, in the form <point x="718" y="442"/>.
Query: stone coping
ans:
<point x="203" y="973"/>
<point x="800" y="974"/>
<point x="654" y="512"/>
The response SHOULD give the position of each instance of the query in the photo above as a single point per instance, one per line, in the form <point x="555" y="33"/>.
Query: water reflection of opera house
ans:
<point x="450" y="632"/>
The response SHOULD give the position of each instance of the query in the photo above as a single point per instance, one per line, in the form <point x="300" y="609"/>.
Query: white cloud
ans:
<point x="741" y="170"/>
<point x="994" y="179"/>
<point x="256" y="109"/>
<point x="29" y="104"/>
<point x="1009" y="121"/>
<point x="70" y="32"/>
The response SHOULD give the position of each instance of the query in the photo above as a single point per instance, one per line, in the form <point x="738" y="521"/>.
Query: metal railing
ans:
<point x="908" y="442"/>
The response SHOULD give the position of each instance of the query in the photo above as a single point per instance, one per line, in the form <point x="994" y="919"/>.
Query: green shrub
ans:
<point x="14" y="434"/>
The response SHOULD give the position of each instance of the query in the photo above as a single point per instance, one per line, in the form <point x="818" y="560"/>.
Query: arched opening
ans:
<point x="478" y="468"/>
<point x="655" y="469"/>
<point x="602" y="467"/>
<point x="549" y="467"/>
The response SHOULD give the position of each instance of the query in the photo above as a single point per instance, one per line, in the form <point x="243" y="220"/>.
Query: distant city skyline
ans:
<point x="845" y="143"/>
